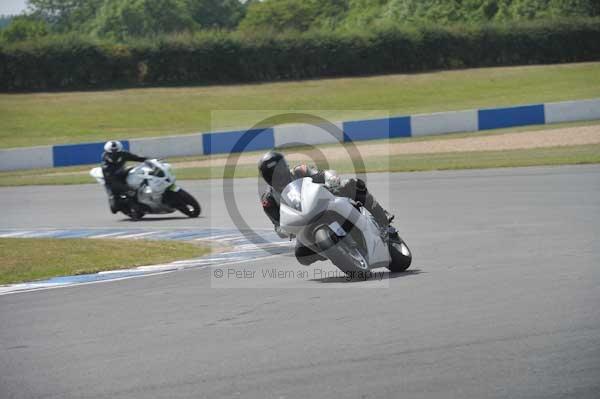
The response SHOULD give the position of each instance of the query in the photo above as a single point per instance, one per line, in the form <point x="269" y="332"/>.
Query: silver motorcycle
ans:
<point x="155" y="190"/>
<point x="340" y="229"/>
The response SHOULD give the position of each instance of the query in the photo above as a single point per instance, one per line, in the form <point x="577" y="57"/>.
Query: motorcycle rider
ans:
<point x="274" y="169"/>
<point x="114" y="159"/>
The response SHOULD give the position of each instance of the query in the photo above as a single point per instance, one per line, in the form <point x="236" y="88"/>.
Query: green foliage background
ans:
<point x="102" y="43"/>
<point x="124" y="19"/>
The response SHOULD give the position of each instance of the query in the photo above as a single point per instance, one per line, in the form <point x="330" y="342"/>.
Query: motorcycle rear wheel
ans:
<point x="134" y="213"/>
<point x="343" y="253"/>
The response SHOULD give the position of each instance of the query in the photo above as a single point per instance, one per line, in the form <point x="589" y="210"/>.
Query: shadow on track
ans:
<point x="376" y="276"/>
<point x="158" y="219"/>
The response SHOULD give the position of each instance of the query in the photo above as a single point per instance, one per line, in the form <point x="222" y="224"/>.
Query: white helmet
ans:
<point x="113" y="146"/>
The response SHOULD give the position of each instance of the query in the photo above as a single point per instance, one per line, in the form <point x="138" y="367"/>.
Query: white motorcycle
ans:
<point x="340" y="229"/>
<point x="155" y="191"/>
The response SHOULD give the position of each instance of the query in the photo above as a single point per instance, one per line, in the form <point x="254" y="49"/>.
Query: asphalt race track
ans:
<point x="502" y="301"/>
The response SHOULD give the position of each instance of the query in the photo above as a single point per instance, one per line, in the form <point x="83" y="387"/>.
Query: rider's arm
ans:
<point x="303" y="170"/>
<point x="105" y="158"/>
<point x="107" y="166"/>
<point x="327" y="177"/>
<point x="128" y="156"/>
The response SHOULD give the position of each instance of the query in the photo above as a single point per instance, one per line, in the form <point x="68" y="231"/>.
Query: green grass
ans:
<point x="52" y="118"/>
<point x="571" y="155"/>
<point x="568" y="155"/>
<point x="29" y="259"/>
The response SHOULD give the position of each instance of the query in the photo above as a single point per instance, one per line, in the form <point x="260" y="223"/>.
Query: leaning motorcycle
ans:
<point x="340" y="229"/>
<point x="155" y="191"/>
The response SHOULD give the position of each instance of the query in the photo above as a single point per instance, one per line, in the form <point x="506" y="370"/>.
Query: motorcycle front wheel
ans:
<point x="185" y="203"/>
<point x="400" y="254"/>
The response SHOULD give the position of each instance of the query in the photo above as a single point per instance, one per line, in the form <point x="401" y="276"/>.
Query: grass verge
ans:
<point x="29" y="259"/>
<point x="569" y="155"/>
<point x="72" y="117"/>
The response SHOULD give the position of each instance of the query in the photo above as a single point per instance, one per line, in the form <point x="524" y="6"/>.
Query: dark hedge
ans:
<point x="210" y="58"/>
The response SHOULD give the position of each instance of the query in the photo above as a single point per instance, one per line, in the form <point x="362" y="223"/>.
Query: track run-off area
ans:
<point x="501" y="300"/>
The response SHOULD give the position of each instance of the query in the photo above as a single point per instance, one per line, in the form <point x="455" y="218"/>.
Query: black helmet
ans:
<point x="275" y="170"/>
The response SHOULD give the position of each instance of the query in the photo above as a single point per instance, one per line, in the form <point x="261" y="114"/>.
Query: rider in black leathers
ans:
<point x="275" y="171"/>
<point x="114" y="159"/>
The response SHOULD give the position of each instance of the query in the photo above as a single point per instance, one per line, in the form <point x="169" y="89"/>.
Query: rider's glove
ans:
<point x="332" y="180"/>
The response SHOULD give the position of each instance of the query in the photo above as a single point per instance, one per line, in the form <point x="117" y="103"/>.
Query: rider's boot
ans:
<point x="363" y="196"/>
<point x="384" y="219"/>
<point x="380" y="214"/>
<point x="393" y="233"/>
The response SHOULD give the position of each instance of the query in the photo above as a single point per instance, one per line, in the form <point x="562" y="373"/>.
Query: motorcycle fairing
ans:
<point x="305" y="206"/>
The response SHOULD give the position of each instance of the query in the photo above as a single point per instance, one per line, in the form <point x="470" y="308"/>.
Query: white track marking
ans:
<point x="240" y="253"/>
<point x="137" y="235"/>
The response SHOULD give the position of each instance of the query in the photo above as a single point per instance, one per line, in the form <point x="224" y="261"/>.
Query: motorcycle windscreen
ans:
<point x="292" y="195"/>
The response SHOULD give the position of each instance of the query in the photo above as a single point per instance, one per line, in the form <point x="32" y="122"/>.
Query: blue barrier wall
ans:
<point x="366" y="130"/>
<point x="400" y="126"/>
<point x="372" y="129"/>
<point x="261" y="139"/>
<point x="238" y="141"/>
<point x="514" y="116"/>
<point x="80" y="154"/>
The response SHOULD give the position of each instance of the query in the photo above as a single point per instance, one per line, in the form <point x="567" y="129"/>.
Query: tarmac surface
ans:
<point x="502" y="301"/>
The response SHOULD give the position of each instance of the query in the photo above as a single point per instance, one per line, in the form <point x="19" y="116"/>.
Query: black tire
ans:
<point x="129" y="207"/>
<point x="187" y="204"/>
<point x="342" y="253"/>
<point x="135" y="213"/>
<point x="400" y="254"/>
<point x="112" y="203"/>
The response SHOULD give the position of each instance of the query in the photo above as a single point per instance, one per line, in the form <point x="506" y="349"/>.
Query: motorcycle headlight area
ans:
<point x="292" y="195"/>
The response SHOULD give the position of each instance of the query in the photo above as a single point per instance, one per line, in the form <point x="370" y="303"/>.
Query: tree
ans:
<point x="575" y="7"/>
<point x="120" y="19"/>
<point x="124" y="18"/>
<point x="368" y="13"/>
<point x="528" y="9"/>
<point x="216" y="13"/>
<point x="24" y="27"/>
<point x="300" y="15"/>
<point x="64" y="15"/>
